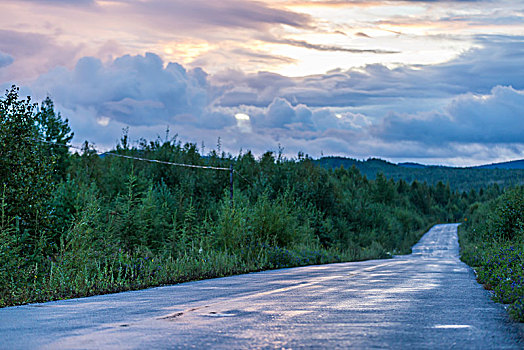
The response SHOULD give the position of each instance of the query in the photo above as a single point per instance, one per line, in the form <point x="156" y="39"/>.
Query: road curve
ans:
<point x="426" y="300"/>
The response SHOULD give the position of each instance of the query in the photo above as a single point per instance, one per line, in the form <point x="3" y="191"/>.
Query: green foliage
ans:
<point x="492" y="241"/>
<point x="25" y="170"/>
<point x="55" y="132"/>
<point x="266" y="223"/>
<point x="100" y="224"/>
<point x="507" y="221"/>
<point x="10" y="254"/>
<point x="461" y="179"/>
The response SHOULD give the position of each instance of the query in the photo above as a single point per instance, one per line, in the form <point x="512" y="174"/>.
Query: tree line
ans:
<point x="461" y="179"/>
<point x="76" y="224"/>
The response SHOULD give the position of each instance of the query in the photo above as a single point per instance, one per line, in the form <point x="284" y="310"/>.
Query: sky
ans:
<point x="428" y="81"/>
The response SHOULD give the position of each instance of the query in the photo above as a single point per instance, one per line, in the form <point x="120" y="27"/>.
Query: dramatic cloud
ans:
<point x="358" y="112"/>
<point x="493" y="118"/>
<point x="132" y="90"/>
<point x="497" y="61"/>
<point x="434" y="81"/>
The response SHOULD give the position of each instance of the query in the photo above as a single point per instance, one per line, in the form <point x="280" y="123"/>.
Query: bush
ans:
<point x="507" y="220"/>
<point x="494" y="246"/>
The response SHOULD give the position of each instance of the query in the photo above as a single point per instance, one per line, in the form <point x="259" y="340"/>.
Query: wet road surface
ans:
<point x="426" y="300"/>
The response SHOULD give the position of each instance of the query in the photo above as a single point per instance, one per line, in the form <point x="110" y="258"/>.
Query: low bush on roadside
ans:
<point x="493" y="243"/>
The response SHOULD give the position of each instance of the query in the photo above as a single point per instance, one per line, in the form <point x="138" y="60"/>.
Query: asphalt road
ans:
<point x="426" y="300"/>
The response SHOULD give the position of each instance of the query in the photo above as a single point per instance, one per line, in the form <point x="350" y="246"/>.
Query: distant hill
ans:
<point x="412" y="165"/>
<point x="462" y="179"/>
<point x="515" y="164"/>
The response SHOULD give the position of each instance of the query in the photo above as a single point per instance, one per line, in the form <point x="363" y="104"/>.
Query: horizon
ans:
<point x="429" y="82"/>
<point x="304" y="155"/>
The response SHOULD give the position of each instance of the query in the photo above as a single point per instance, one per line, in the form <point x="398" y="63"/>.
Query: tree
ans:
<point x="57" y="133"/>
<point x="383" y="190"/>
<point x="25" y="171"/>
<point x="30" y="168"/>
<point x="506" y="221"/>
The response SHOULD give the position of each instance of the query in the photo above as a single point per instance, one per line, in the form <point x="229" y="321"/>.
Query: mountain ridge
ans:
<point x="459" y="178"/>
<point x="512" y="164"/>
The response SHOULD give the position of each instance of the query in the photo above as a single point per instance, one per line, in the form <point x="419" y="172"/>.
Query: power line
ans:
<point x="167" y="163"/>
<point x="230" y="169"/>
<point x="149" y="160"/>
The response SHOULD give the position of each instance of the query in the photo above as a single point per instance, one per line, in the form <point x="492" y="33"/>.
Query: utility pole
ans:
<point x="231" y="183"/>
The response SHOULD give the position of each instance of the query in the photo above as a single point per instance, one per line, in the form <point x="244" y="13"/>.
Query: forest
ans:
<point x="461" y="179"/>
<point x="77" y="223"/>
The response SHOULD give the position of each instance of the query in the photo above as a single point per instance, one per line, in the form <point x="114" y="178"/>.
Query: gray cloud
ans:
<point x="245" y="57"/>
<point x="5" y="59"/>
<point x="486" y="119"/>
<point x="361" y="34"/>
<point x="281" y="114"/>
<point x="462" y="110"/>
<point x="263" y="57"/>
<point x="447" y="112"/>
<point x="322" y="47"/>
<point x="497" y="62"/>
<point x="135" y="90"/>
<point x="226" y="13"/>
<point x="21" y="43"/>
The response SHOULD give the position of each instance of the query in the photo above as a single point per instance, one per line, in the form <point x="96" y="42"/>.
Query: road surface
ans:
<point x="426" y="300"/>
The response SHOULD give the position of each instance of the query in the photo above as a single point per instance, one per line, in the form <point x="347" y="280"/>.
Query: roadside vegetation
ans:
<point x="492" y="242"/>
<point x="78" y="224"/>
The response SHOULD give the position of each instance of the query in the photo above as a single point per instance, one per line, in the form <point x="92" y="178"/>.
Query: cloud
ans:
<point x="440" y="113"/>
<point x="134" y="90"/>
<point x="5" y="59"/>
<point x="462" y="112"/>
<point x="263" y="57"/>
<point x="205" y="14"/>
<point x="62" y="2"/>
<point x="496" y="61"/>
<point x="361" y="34"/>
<point x="282" y="118"/>
<point x="249" y="59"/>
<point x="46" y="33"/>
<point x="33" y="54"/>
<point x="322" y="47"/>
<point x="281" y="114"/>
<point x="495" y="118"/>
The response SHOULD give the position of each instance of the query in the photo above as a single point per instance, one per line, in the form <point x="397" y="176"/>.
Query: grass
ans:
<point x="85" y="268"/>
<point x="68" y="278"/>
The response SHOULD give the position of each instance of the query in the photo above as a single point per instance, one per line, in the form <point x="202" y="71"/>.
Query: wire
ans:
<point x="243" y="178"/>
<point x="168" y="163"/>
<point x="57" y="144"/>
<point x="142" y="159"/>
